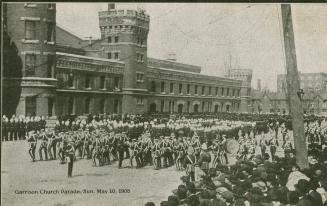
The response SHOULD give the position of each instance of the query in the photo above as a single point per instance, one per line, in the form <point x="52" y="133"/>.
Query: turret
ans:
<point x="124" y="35"/>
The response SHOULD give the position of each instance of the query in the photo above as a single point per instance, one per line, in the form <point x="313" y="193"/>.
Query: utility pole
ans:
<point x="293" y="87"/>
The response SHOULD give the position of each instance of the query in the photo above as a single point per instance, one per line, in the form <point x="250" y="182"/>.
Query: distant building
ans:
<point x="313" y="102"/>
<point x="58" y="73"/>
<point x="244" y="75"/>
<point x="308" y="82"/>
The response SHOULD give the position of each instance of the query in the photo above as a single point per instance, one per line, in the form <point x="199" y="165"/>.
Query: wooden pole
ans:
<point x="293" y="87"/>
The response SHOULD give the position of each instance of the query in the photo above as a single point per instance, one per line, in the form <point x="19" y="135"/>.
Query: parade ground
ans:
<point x="43" y="183"/>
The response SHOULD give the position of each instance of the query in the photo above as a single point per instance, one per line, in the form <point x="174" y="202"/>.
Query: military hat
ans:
<point x="204" y="146"/>
<point x="190" y="150"/>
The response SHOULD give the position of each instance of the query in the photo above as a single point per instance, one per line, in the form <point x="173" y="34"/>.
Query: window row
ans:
<point x="90" y="104"/>
<point x="32" y="28"/>
<point x="188" y="107"/>
<point x="122" y="27"/>
<point x="111" y="39"/>
<point x="90" y="82"/>
<point x="139" y="77"/>
<point x="140" y="41"/>
<point x="86" y="66"/>
<point x="197" y="90"/>
<point x="113" y="55"/>
<point x="139" y="57"/>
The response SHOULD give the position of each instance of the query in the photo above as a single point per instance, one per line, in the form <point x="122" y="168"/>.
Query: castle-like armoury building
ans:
<point x="54" y="72"/>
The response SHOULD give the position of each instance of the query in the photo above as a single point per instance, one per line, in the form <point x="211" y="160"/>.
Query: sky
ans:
<point x="211" y="35"/>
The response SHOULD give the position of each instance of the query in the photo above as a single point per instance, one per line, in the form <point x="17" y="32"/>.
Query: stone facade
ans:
<point x="114" y="74"/>
<point x="29" y="56"/>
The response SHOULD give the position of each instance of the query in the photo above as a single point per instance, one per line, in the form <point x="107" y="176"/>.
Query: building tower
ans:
<point x="259" y="85"/>
<point x="245" y="76"/>
<point x="29" y="58"/>
<point x="124" y="35"/>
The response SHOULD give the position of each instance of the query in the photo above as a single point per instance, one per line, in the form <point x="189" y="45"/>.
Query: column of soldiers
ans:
<point x="17" y="127"/>
<point x="101" y="143"/>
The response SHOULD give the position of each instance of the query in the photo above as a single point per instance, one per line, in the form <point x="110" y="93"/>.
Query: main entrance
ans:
<point x="180" y="108"/>
<point x="153" y="107"/>
<point x="196" y="108"/>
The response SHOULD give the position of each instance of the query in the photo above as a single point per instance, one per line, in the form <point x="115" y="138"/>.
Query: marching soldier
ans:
<point x="156" y="154"/>
<point x="165" y="147"/>
<point x="70" y="158"/>
<point x="32" y="140"/>
<point x="120" y="149"/>
<point x="138" y="154"/>
<point x="44" y="145"/>
<point x="62" y="148"/>
<point x="51" y="145"/>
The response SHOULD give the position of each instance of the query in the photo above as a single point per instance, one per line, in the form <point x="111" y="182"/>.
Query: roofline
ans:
<point x="176" y="62"/>
<point x="69" y="32"/>
<point x="88" y="57"/>
<point x="187" y="72"/>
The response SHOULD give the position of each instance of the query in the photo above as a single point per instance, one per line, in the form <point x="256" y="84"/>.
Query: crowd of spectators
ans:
<point x="256" y="182"/>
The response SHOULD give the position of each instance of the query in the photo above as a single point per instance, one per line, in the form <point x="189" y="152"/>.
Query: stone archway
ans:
<point x="153" y="108"/>
<point x="217" y="107"/>
<point x="196" y="108"/>
<point x="180" y="108"/>
<point x="227" y="107"/>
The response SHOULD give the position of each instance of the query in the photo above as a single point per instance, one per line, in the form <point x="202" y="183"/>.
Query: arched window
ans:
<point x="162" y="86"/>
<point x="70" y="80"/>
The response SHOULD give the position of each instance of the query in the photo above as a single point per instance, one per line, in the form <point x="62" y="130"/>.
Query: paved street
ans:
<point x="19" y="173"/>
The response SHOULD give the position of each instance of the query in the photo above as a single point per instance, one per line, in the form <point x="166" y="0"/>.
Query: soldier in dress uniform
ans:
<point x="165" y="147"/>
<point x="5" y="128"/>
<point x="138" y="154"/>
<point x="11" y="129"/>
<point x="51" y="148"/>
<point x="44" y="145"/>
<point x="29" y="124"/>
<point x="22" y="129"/>
<point x="16" y="129"/>
<point x="205" y="158"/>
<point x="156" y="154"/>
<point x="86" y="144"/>
<point x="43" y="122"/>
<point x="120" y="149"/>
<point x="70" y="152"/>
<point x="32" y="140"/>
<point x="62" y="147"/>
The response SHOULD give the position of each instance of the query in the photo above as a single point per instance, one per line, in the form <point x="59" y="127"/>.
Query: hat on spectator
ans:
<point x="228" y="196"/>
<point x="221" y="190"/>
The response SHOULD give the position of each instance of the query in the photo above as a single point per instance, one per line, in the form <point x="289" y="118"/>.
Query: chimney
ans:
<point x="259" y="85"/>
<point x="171" y="56"/>
<point x="111" y="6"/>
<point x="90" y="39"/>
